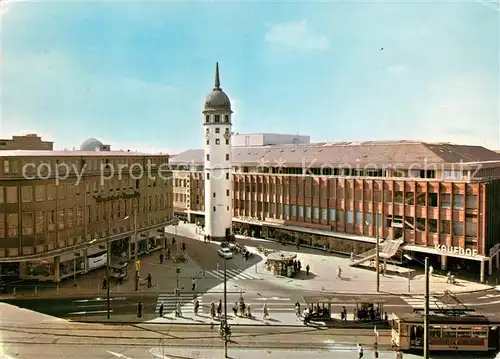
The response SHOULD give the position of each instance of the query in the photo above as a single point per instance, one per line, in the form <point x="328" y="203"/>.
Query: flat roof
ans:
<point x="48" y="153"/>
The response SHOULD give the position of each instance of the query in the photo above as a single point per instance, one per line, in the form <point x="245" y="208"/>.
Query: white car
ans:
<point x="225" y="253"/>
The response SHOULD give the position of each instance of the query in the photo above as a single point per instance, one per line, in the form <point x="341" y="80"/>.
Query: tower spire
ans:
<point x="217" y="78"/>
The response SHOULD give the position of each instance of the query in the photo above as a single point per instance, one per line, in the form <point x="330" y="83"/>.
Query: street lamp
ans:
<point x="136" y="278"/>
<point x="225" y="308"/>
<point x="377" y="251"/>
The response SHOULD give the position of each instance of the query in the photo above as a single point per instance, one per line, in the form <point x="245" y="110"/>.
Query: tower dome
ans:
<point x="217" y="100"/>
<point x="91" y="144"/>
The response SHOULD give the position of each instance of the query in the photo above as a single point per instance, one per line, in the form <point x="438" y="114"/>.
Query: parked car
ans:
<point x="225" y="252"/>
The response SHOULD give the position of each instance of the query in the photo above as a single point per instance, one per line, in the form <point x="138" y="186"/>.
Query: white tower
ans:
<point x="218" y="169"/>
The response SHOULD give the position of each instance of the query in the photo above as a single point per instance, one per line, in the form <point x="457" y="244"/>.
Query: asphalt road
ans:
<point x="141" y="341"/>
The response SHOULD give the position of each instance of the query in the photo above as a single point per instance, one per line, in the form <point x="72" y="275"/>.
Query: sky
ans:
<point x="135" y="74"/>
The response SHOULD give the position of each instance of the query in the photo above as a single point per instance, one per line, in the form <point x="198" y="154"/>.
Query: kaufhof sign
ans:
<point x="456" y="250"/>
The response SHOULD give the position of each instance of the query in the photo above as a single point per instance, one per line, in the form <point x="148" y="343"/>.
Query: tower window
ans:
<point x="217" y="118"/>
<point x="208" y="157"/>
<point x="217" y="130"/>
<point x="207" y="119"/>
<point x="227" y="156"/>
<point x="227" y="208"/>
<point x="227" y="142"/>
<point x="226" y="118"/>
<point x="227" y="193"/>
<point x="208" y="176"/>
<point x="213" y="195"/>
<point x="208" y="142"/>
<point x="214" y="208"/>
<point x="217" y="141"/>
<point x="227" y="175"/>
<point x="207" y="131"/>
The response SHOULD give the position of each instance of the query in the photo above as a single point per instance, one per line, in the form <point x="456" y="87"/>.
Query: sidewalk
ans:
<point x="323" y="272"/>
<point x="164" y="279"/>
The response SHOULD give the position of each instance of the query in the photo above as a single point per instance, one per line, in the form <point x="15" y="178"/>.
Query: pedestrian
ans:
<point x="173" y="241"/>
<point x="105" y="283"/>
<point x="149" y="279"/>
<point x="299" y="265"/>
<point x="161" y="258"/>
<point x="160" y="312"/>
<point x="344" y="310"/>
<point x="307" y="269"/>
<point x="183" y="246"/>
<point x="120" y="279"/>
<point x="139" y="309"/>
<point x="339" y="272"/>
<point x="193" y="285"/>
<point x="178" y="311"/>
<point x="208" y="238"/>
<point x="360" y="351"/>
<point x="431" y="270"/>
<point x="205" y="238"/>
<point x="235" y="309"/>
<point x="219" y="309"/>
<point x="448" y="277"/>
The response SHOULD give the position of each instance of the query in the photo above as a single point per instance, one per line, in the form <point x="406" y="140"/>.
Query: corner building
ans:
<point x="50" y="229"/>
<point x="217" y="162"/>
<point x="440" y="198"/>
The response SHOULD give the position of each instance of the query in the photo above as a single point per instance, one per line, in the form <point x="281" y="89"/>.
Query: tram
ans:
<point x="465" y="332"/>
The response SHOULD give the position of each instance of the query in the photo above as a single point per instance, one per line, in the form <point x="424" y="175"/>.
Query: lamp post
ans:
<point x="225" y="307"/>
<point x="136" y="269"/>
<point x="377" y="250"/>
<point x="426" y="317"/>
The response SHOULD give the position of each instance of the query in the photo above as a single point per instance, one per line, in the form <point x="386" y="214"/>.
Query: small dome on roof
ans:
<point x="91" y="145"/>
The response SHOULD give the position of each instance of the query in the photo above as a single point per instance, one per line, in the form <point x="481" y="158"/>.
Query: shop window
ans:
<point x="301" y="211"/>
<point x="458" y="201"/>
<point x="432" y="199"/>
<point x="2" y="225"/>
<point x="368" y="219"/>
<point x="432" y="225"/>
<point x="410" y="198"/>
<point x="324" y="214"/>
<point x="445" y="226"/>
<point x="421" y="224"/>
<point x="331" y="215"/>
<point x="340" y="216"/>
<point x="294" y="210"/>
<point x="350" y="217"/>
<point x="315" y="213"/>
<point x="11" y="194"/>
<point x="27" y="223"/>
<point x="458" y="229"/>
<point x="471" y="202"/>
<point x="308" y="212"/>
<point x="398" y="197"/>
<point x="445" y="200"/>
<point x="27" y="193"/>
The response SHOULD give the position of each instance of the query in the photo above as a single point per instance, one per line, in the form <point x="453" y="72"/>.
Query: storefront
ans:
<point x="323" y="242"/>
<point x="43" y="270"/>
<point x="70" y="263"/>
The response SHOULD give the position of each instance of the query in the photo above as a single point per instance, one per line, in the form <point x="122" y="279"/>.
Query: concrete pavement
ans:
<point x="323" y="272"/>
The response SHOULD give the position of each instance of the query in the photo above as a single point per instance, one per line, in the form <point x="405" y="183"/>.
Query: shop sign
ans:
<point x="456" y="250"/>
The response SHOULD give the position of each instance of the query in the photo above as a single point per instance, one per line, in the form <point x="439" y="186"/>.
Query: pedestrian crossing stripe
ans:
<point x="231" y="274"/>
<point x="169" y="301"/>
<point x="418" y="301"/>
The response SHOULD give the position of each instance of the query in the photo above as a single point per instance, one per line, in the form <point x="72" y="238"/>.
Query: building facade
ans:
<point x="61" y="210"/>
<point x="217" y="162"/>
<point x="441" y="199"/>
<point x="29" y="142"/>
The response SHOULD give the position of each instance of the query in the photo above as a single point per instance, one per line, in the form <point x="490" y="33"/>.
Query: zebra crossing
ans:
<point x="169" y="301"/>
<point x="417" y="301"/>
<point x="231" y="274"/>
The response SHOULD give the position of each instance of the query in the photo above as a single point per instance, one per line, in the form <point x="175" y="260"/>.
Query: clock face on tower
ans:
<point x="227" y="135"/>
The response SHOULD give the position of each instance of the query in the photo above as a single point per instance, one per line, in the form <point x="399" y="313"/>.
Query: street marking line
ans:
<point x="118" y="355"/>
<point x="91" y="312"/>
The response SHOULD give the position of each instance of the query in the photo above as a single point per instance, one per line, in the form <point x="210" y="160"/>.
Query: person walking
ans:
<point x="160" y="312"/>
<point x="193" y="284"/>
<point x="307" y="269"/>
<point x="360" y="351"/>
<point x="139" y="309"/>
<point x="149" y="279"/>
<point x="161" y="257"/>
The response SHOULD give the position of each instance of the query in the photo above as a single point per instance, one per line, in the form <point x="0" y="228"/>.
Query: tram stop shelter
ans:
<point x="281" y="263"/>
